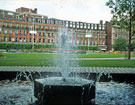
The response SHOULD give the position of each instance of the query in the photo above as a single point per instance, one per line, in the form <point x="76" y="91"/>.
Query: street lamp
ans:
<point x="33" y="32"/>
<point x="88" y="35"/>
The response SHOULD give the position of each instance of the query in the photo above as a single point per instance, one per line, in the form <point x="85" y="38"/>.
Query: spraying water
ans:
<point x="65" y="42"/>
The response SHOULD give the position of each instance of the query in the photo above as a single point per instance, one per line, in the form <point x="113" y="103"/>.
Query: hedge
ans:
<point x="86" y="47"/>
<point x="37" y="46"/>
<point x="24" y="46"/>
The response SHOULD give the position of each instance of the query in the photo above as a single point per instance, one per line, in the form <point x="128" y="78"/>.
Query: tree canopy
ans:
<point x="124" y="15"/>
<point x="120" y="44"/>
<point x="123" y="11"/>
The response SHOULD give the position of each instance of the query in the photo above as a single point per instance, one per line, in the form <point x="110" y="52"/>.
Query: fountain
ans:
<point x="67" y="88"/>
<point x="64" y="89"/>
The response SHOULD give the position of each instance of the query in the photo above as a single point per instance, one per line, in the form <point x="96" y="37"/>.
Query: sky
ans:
<point x="91" y="11"/>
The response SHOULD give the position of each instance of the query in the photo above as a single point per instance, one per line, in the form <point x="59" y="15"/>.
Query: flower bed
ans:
<point x="1" y="55"/>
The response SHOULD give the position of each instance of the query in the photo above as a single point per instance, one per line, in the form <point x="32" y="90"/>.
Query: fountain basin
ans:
<point x="55" y="91"/>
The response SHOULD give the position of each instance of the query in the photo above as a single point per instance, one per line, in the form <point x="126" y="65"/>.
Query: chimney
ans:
<point x="35" y="10"/>
<point x="101" y="21"/>
<point x="107" y="23"/>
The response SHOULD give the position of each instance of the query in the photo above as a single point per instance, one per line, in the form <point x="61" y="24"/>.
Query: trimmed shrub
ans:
<point x="95" y="48"/>
<point x="17" y="46"/>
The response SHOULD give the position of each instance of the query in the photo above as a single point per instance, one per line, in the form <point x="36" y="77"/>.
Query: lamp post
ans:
<point x="88" y="36"/>
<point x="33" y="32"/>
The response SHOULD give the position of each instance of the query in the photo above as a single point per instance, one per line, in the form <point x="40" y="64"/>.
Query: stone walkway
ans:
<point x="111" y="70"/>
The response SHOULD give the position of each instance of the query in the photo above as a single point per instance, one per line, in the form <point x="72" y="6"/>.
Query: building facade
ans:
<point x="114" y="32"/>
<point x="26" y="26"/>
<point x="118" y="32"/>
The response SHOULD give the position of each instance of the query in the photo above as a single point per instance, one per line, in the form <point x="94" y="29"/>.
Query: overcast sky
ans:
<point x="75" y="10"/>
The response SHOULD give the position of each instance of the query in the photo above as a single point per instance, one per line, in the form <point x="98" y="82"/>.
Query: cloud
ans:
<point x="76" y="10"/>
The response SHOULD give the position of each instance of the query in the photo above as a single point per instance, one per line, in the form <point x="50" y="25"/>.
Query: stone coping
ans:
<point x="111" y="70"/>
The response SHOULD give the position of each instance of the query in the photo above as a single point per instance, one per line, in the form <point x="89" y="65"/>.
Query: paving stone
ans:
<point x="73" y="69"/>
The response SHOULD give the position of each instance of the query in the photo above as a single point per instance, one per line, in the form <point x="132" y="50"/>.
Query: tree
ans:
<point x="120" y="44"/>
<point x="124" y="15"/>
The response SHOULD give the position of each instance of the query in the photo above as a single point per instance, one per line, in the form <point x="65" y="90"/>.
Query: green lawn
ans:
<point x="50" y="55"/>
<point x="46" y="59"/>
<point x="104" y="55"/>
<point x="82" y="63"/>
<point x="27" y="55"/>
<point x="107" y="63"/>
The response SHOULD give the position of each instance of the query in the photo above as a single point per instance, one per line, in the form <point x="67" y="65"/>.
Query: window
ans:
<point x="9" y="38"/>
<point x="85" y="25"/>
<point x="34" y="39"/>
<point x="103" y="42"/>
<point x="39" y="40"/>
<point x="24" y="26"/>
<point x="20" y="25"/>
<point x="48" y="34"/>
<point x="66" y="23"/>
<point x="81" y="25"/>
<point x="5" y="31"/>
<point x="20" y="32"/>
<point x="116" y="35"/>
<point x="24" y="39"/>
<point x="60" y="22"/>
<point x="99" y="26"/>
<point x="43" y="40"/>
<point x="52" y="40"/>
<point x="16" y="25"/>
<point x="48" y="40"/>
<point x="43" y="33"/>
<point x="43" y="21"/>
<point x="70" y="24"/>
<point x="39" y="20"/>
<point x="48" y="22"/>
<point x="52" y="34"/>
<point x="29" y="20"/>
<point x="56" y="22"/>
<point x="5" y="38"/>
<point x="73" y="24"/>
<point x="77" y="24"/>
<point x="96" y="26"/>
<point x="16" y="39"/>
<point x="103" y="27"/>
<point x="5" y="25"/>
<point x="30" y="40"/>
<point x="88" y="26"/>
<point x="10" y="31"/>
<point x="92" y="26"/>
<point x="39" y="33"/>
<point x="10" y="25"/>
<point x="20" y="38"/>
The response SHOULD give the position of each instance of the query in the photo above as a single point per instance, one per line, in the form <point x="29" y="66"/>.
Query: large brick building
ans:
<point x="27" y="26"/>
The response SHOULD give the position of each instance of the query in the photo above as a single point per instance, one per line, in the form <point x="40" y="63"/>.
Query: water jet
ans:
<point x="64" y="90"/>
